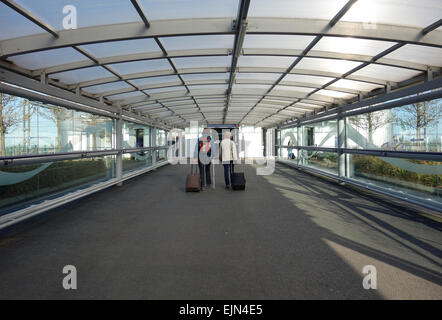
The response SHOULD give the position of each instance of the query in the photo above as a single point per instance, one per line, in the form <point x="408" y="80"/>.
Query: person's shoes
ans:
<point x="227" y="187"/>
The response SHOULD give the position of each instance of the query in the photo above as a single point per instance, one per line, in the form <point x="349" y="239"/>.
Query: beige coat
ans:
<point x="228" y="150"/>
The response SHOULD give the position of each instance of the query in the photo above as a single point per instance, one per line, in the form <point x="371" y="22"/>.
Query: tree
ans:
<point x="9" y="117"/>
<point x="371" y="121"/>
<point x="420" y="115"/>
<point x="57" y="115"/>
<point x="92" y="121"/>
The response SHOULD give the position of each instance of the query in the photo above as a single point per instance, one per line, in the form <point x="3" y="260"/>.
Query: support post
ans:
<point x="154" y="144"/>
<point x="341" y="144"/>
<point x="119" y="146"/>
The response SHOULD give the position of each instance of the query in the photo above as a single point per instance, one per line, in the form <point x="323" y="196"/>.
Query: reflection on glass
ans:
<point x="413" y="127"/>
<point x="135" y="135"/>
<point x="32" y="127"/>
<point x="325" y="161"/>
<point x="136" y="160"/>
<point x="419" y="177"/>
<point x="320" y="134"/>
<point x="20" y="184"/>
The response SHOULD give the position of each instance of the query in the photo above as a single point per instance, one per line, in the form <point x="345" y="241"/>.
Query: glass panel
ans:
<point x="198" y="42"/>
<point x="161" y="138"/>
<point x="395" y="12"/>
<point x="117" y="48"/>
<point x="185" y="9"/>
<point x="36" y="128"/>
<point x="264" y="61"/>
<point x="166" y="89"/>
<point x="418" y="54"/>
<point x="307" y="79"/>
<point x="259" y="88"/>
<point x="154" y="80"/>
<point x="81" y="75"/>
<point x="263" y="41"/>
<point x="89" y="13"/>
<point x="386" y="73"/>
<point x="141" y="66"/>
<point x="47" y="58"/>
<point x="136" y="160"/>
<point x="135" y="135"/>
<point x="318" y="9"/>
<point x="258" y="76"/>
<point x="205" y="76"/>
<point x="355" y="85"/>
<point x="417" y="177"/>
<point x="208" y="86"/>
<point x="24" y="185"/>
<point x="161" y="155"/>
<point x="414" y="127"/>
<point x="107" y="87"/>
<point x="324" y="161"/>
<point x="202" y="62"/>
<point x="320" y="134"/>
<point x="289" y="137"/>
<point x="336" y="94"/>
<point x="292" y="88"/>
<point x="127" y="95"/>
<point x="328" y="65"/>
<point x="14" y="25"/>
<point x="352" y="45"/>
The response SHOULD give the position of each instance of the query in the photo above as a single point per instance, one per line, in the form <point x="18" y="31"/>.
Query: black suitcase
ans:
<point x="238" y="181"/>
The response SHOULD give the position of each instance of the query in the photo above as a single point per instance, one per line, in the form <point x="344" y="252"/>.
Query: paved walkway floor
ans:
<point x="289" y="235"/>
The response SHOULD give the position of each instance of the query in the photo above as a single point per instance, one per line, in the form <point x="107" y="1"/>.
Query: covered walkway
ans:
<point x="290" y="235"/>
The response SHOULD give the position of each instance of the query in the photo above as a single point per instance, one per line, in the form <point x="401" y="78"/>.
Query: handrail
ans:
<point x="415" y="155"/>
<point x="60" y="156"/>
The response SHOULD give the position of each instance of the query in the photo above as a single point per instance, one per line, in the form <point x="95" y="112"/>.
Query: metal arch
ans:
<point x="154" y="55"/>
<point x="202" y="83"/>
<point x="209" y="70"/>
<point x="137" y="30"/>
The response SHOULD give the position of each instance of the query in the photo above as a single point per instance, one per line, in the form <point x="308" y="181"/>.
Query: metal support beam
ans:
<point x="141" y="12"/>
<point x="241" y="29"/>
<point x="30" y="16"/>
<point x="119" y="145"/>
<point x="341" y="144"/>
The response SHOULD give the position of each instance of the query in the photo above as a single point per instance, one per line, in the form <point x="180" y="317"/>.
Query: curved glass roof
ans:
<point x="254" y="62"/>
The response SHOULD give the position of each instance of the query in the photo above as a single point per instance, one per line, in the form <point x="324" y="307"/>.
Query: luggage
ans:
<point x="193" y="181"/>
<point x="238" y="181"/>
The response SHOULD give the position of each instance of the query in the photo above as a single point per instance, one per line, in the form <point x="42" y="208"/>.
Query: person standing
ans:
<point x="228" y="155"/>
<point x="204" y="154"/>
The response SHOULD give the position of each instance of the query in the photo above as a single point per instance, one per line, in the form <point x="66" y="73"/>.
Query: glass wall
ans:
<point x="161" y="136"/>
<point x="135" y="135"/>
<point x="19" y="185"/>
<point x="320" y="134"/>
<point x="31" y="127"/>
<point x="414" y="127"/>
<point x="289" y="138"/>
<point x="136" y="160"/>
<point x="409" y="128"/>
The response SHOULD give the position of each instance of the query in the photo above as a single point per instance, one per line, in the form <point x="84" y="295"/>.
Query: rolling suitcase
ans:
<point x="238" y="181"/>
<point x="193" y="181"/>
